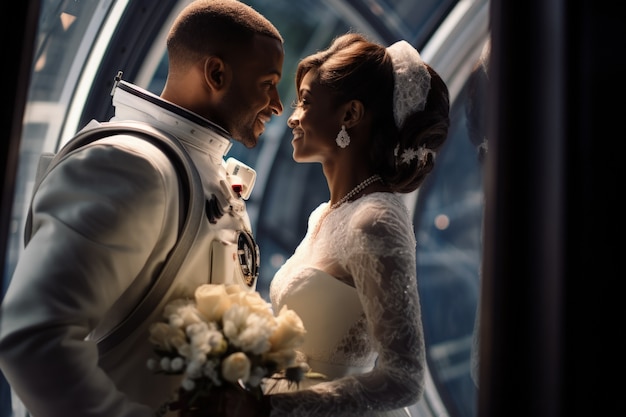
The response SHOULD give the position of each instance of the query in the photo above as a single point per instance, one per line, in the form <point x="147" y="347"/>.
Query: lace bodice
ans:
<point x="353" y="283"/>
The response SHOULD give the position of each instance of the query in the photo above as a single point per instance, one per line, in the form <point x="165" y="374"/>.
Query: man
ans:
<point x="105" y="219"/>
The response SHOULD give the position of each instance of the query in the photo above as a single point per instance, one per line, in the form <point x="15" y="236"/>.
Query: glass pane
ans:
<point x="62" y="26"/>
<point x="66" y="31"/>
<point x="448" y="213"/>
<point x="448" y="220"/>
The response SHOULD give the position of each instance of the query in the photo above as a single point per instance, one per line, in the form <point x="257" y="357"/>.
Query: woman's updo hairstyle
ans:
<point x="355" y="68"/>
<point x="426" y="130"/>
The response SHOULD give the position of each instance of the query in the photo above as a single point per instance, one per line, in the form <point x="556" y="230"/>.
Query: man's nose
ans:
<point x="275" y="104"/>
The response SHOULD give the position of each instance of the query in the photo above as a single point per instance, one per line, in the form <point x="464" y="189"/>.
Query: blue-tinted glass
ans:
<point x="448" y="220"/>
<point x="449" y="210"/>
<point x="62" y="27"/>
<point x="412" y="20"/>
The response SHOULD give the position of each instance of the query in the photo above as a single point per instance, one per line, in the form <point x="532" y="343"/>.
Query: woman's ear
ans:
<point x="354" y="111"/>
<point x="215" y="73"/>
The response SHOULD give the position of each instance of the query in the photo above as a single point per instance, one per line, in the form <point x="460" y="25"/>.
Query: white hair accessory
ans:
<point x="411" y="81"/>
<point x="410" y="154"/>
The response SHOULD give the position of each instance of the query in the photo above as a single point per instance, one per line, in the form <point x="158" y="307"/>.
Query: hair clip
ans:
<point x="410" y="154"/>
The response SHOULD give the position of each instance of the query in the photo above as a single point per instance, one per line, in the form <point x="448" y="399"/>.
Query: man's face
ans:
<point x="252" y="97"/>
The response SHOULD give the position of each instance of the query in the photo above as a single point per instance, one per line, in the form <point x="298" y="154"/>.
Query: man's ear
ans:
<point x="215" y="73"/>
<point x="354" y="111"/>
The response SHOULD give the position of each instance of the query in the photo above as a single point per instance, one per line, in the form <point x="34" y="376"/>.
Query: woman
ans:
<point x="352" y="279"/>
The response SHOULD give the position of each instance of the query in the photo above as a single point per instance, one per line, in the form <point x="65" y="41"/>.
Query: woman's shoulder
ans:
<point x="377" y="222"/>
<point x="378" y="211"/>
<point x="377" y="205"/>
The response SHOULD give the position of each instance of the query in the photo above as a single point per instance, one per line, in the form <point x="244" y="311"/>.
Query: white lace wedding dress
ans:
<point x="365" y="335"/>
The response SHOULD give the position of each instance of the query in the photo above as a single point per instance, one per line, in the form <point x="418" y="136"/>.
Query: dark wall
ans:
<point x="17" y="53"/>
<point x="549" y="329"/>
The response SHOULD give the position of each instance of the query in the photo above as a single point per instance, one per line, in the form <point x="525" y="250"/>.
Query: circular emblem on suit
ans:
<point x="248" y="257"/>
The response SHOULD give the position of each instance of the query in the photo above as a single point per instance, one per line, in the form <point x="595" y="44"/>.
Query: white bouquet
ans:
<point x="225" y="338"/>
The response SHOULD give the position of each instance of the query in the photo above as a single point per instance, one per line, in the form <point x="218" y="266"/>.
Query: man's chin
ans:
<point x="249" y="144"/>
<point x="249" y="141"/>
<point x="248" y="138"/>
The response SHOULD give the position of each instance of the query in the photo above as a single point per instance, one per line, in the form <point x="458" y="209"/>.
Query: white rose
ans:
<point x="236" y="367"/>
<point x="198" y="334"/>
<point x="166" y="337"/>
<point x="212" y="300"/>
<point x="186" y="315"/>
<point x="173" y="306"/>
<point x="289" y="332"/>
<point x="233" y="288"/>
<point x="253" y="301"/>
<point x="254" y="337"/>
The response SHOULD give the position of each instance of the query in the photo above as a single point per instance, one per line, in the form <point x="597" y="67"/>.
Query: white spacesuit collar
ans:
<point x="134" y="103"/>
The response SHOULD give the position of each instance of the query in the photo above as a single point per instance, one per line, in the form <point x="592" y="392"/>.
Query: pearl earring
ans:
<point x="343" y="139"/>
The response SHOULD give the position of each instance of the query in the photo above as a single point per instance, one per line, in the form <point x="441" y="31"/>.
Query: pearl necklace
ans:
<point x="360" y="187"/>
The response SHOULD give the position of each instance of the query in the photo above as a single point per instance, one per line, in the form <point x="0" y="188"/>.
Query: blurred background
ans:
<point x="557" y="67"/>
<point x="81" y="45"/>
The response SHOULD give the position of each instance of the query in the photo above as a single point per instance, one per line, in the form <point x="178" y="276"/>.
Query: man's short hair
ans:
<point x="215" y="27"/>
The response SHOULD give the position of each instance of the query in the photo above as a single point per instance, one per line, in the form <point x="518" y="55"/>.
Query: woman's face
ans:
<point x="315" y="121"/>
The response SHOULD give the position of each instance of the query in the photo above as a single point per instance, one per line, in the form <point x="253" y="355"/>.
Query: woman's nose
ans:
<point x="292" y="121"/>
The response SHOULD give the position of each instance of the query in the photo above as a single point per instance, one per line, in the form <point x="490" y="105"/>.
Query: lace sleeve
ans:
<point x="378" y="251"/>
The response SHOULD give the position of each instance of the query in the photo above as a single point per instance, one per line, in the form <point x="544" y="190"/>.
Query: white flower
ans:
<point x="165" y="336"/>
<point x="185" y="350"/>
<point x="195" y="366"/>
<point x="289" y="332"/>
<point x="226" y="334"/>
<point x="185" y="315"/>
<point x="188" y="384"/>
<point x="173" y="306"/>
<point x="199" y="334"/>
<point x="236" y="367"/>
<point x="408" y="155"/>
<point x="249" y="331"/>
<point x="165" y="363"/>
<point x="420" y="153"/>
<point x="212" y="300"/>
<point x="255" y="338"/>
<point x="234" y="288"/>
<point x="177" y="364"/>
<point x="254" y="302"/>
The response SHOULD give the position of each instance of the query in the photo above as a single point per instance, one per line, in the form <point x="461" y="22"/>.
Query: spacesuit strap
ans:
<point x="192" y="196"/>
